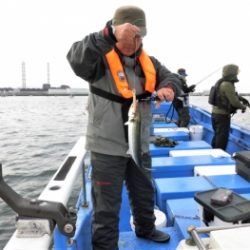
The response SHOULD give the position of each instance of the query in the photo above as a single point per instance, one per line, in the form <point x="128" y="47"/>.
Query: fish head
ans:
<point x="133" y="112"/>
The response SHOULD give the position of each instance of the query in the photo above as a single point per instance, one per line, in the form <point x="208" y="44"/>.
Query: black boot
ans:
<point x="156" y="236"/>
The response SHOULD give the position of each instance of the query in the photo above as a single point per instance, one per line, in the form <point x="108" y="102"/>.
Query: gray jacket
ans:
<point x="105" y="130"/>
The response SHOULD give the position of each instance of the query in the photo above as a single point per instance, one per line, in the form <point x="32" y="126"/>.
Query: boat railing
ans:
<point x="194" y="232"/>
<point x="60" y="186"/>
<point x="38" y="230"/>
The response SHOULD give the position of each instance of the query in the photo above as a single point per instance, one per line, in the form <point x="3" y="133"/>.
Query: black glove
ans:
<point x="191" y="88"/>
<point x="244" y="101"/>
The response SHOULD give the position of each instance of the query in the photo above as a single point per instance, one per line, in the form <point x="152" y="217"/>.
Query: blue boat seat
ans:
<point x="181" y="208"/>
<point x="233" y="182"/>
<point x="163" y="167"/>
<point x="176" y="188"/>
<point x="183" y="213"/>
<point x="188" y="145"/>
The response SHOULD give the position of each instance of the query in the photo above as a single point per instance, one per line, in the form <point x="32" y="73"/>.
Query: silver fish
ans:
<point x="134" y="133"/>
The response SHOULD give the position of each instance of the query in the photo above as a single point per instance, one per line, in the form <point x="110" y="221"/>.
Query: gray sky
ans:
<point x="199" y="35"/>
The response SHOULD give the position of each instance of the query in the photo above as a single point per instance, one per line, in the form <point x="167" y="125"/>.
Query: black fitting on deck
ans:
<point x="54" y="211"/>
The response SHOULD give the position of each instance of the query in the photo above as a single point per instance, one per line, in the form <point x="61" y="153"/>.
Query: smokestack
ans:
<point x="23" y="75"/>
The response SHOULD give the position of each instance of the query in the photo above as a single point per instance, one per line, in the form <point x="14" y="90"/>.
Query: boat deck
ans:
<point x="179" y="172"/>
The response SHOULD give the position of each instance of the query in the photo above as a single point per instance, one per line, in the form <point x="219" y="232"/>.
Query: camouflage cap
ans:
<point x="131" y="14"/>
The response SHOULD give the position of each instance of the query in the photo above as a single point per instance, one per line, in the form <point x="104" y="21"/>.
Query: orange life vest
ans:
<point x="119" y="77"/>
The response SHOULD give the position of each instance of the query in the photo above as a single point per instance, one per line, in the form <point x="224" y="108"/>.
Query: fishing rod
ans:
<point x="210" y="74"/>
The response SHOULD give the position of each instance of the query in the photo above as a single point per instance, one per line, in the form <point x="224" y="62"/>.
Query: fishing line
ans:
<point x="169" y="120"/>
<point x="136" y="36"/>
<point x="134" y="76"/>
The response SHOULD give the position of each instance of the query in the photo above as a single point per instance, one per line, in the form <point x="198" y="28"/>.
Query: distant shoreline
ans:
<point x="46" y="90"/>
<point x="39" y="94"/>
<point x="33" y="93"/>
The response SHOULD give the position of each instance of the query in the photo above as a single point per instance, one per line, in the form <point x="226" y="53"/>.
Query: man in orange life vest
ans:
<point x="114" y="62"/>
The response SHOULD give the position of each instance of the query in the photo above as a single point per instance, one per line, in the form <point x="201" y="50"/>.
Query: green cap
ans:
<point x="230" y="70"/>
<point x="131" y="14"/>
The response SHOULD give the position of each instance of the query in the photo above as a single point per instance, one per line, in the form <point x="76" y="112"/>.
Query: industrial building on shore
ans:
<point x="46" y="90"/>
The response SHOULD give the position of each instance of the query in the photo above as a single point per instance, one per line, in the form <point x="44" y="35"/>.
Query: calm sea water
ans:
<point x="36" y="135"/>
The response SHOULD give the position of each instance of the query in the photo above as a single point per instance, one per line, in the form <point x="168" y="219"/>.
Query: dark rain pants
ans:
<point x="183" y="117"/>
<point x="221" y="126"/>
<point x="108" y="175"/>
